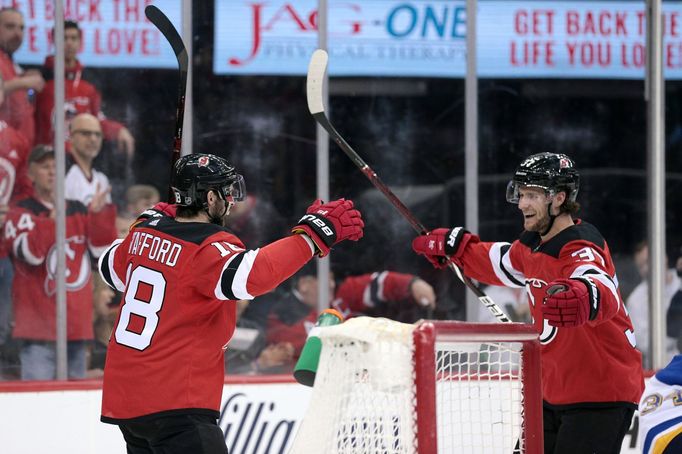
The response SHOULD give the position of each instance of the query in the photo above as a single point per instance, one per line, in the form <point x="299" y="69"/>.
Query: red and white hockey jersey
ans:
<point x="17" y="110"/>
<point x="14" y="149"/>
<point x="77" y="186"/>
<point x="290" y="320"/>
<point x="595" y="363"/>
<point x="180" y="281"/>
<point x="373" y="294"/>
<point x="30" y="235"/>
<point x="80" y="96"/>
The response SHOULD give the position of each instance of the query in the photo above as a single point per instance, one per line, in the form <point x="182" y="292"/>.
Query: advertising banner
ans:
<point x="258" y="418"/>
<point x="116" y="33"/>
<point x="427" y="38"/>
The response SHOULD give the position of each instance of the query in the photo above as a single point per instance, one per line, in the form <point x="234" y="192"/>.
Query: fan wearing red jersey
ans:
<point x="29" y="233"/>
<point x="591" y="372"/>
<point x="287" y="315"/>
<point x="180" y="278"/>
<point x="17" y="110"/>
<point x="80" y="96"/>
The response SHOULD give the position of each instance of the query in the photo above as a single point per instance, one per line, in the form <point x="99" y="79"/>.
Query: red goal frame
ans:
<point x="426" y="335"/>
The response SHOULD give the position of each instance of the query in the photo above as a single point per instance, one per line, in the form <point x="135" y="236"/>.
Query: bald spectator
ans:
<point x="82" y="179"/>
<point x="80" y="96"/>
<point x="17" y="110"/>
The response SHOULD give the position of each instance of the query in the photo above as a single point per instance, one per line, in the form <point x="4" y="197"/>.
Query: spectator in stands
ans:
<point x="14" y="149"/>
<point x="247" y="352"/>
<point x="138" y="198"/>
<point x="106" y="302"/>
<point x="638" y="303"/>
<point x="82" y="180"/>
<point x="14" y="185"/>
<point x="17" y="110"/>
<point x="80" y="96"/>
<point x="30" y="234"/>
<point x="288" y="315"/>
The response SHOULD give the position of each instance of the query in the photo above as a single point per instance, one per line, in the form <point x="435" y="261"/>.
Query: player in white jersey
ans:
<point x="660" y="411"/>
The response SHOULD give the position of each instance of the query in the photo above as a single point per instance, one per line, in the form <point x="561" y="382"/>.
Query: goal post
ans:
<point x="488" y="388"/>
<point x="428" y="388"/>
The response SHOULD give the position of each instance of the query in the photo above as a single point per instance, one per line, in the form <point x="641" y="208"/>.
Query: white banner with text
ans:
<point x="427" y="38"/>
<point x="259" y="418"/>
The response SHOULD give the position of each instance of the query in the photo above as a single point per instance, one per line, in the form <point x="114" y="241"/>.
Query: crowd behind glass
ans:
<point x="118" y="148"/>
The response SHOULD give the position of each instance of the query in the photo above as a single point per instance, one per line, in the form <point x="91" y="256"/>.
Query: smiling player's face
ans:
<point x="533" y="204"/>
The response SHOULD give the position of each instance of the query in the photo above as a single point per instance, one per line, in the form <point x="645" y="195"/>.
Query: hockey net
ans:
<point x="384" y="387"/>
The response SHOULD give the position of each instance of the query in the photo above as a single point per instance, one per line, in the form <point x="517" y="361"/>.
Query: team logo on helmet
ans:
<point x="564" y="163"/>
<point x="203" y="161"/>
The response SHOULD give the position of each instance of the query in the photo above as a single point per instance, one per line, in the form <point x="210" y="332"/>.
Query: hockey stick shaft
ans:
<point x="314" y="86"/>
<point x="167" y="29"/>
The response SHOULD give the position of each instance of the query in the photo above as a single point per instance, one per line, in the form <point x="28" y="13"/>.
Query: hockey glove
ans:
<point x="439" y="245"/>
<point x="329" y="223"/>
<point x="570" y="302"/>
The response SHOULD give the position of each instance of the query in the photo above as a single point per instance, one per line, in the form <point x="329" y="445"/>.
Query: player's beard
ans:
<point x="540" y="222"/>
<point x="219" y="217"/>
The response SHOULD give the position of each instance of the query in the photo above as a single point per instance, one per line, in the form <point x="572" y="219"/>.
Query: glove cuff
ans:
<point x="593" y="292"/>
<point x="453" y="241"/>
<point x="322" y="227"/>
<point x="321" y="248"/>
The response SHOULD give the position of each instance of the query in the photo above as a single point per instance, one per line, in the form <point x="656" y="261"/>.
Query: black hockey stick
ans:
<point x="314" y="87"/>
<point x="165" y="26"/>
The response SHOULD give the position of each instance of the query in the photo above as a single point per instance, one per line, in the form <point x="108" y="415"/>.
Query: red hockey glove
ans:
<point x="166" y="208"/>
<point x="329" y="223"/>
<point x="440" y="244"/>
<point x="570" y="302"/>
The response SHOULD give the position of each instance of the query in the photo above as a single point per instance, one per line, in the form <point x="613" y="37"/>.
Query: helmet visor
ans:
<point x="513" y="190"/>
<point x="236" y="190"/>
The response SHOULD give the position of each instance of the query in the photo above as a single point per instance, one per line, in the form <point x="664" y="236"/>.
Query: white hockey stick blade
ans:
<point x="315" y="80"/>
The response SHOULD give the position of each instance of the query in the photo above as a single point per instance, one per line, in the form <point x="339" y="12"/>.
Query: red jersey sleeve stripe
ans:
<point x="22" y="250"/>
<point x="106" y="267"/>
<point x="502" y="266"/>
<point x="233" y="278"/>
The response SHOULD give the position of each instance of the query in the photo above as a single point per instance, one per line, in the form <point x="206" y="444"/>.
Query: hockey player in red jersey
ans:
<point x="591" y="372"/>
<point x="180" y="278"/>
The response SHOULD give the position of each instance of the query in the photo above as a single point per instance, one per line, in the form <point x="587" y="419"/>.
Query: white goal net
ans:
<point x="384" y="387"/>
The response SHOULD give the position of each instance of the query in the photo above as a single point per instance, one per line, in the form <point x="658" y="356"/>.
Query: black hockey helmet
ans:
<point x="196" y="174"/>
<point x="552" y="172"/>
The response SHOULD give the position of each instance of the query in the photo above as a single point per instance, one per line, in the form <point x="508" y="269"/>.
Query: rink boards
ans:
<point x="259" y="416"/>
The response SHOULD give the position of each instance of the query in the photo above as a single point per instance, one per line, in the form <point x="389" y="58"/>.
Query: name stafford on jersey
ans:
<point x="158" y="249"/>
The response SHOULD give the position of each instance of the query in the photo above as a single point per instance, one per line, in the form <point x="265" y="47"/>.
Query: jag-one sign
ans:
<point x="556" y="39"/>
